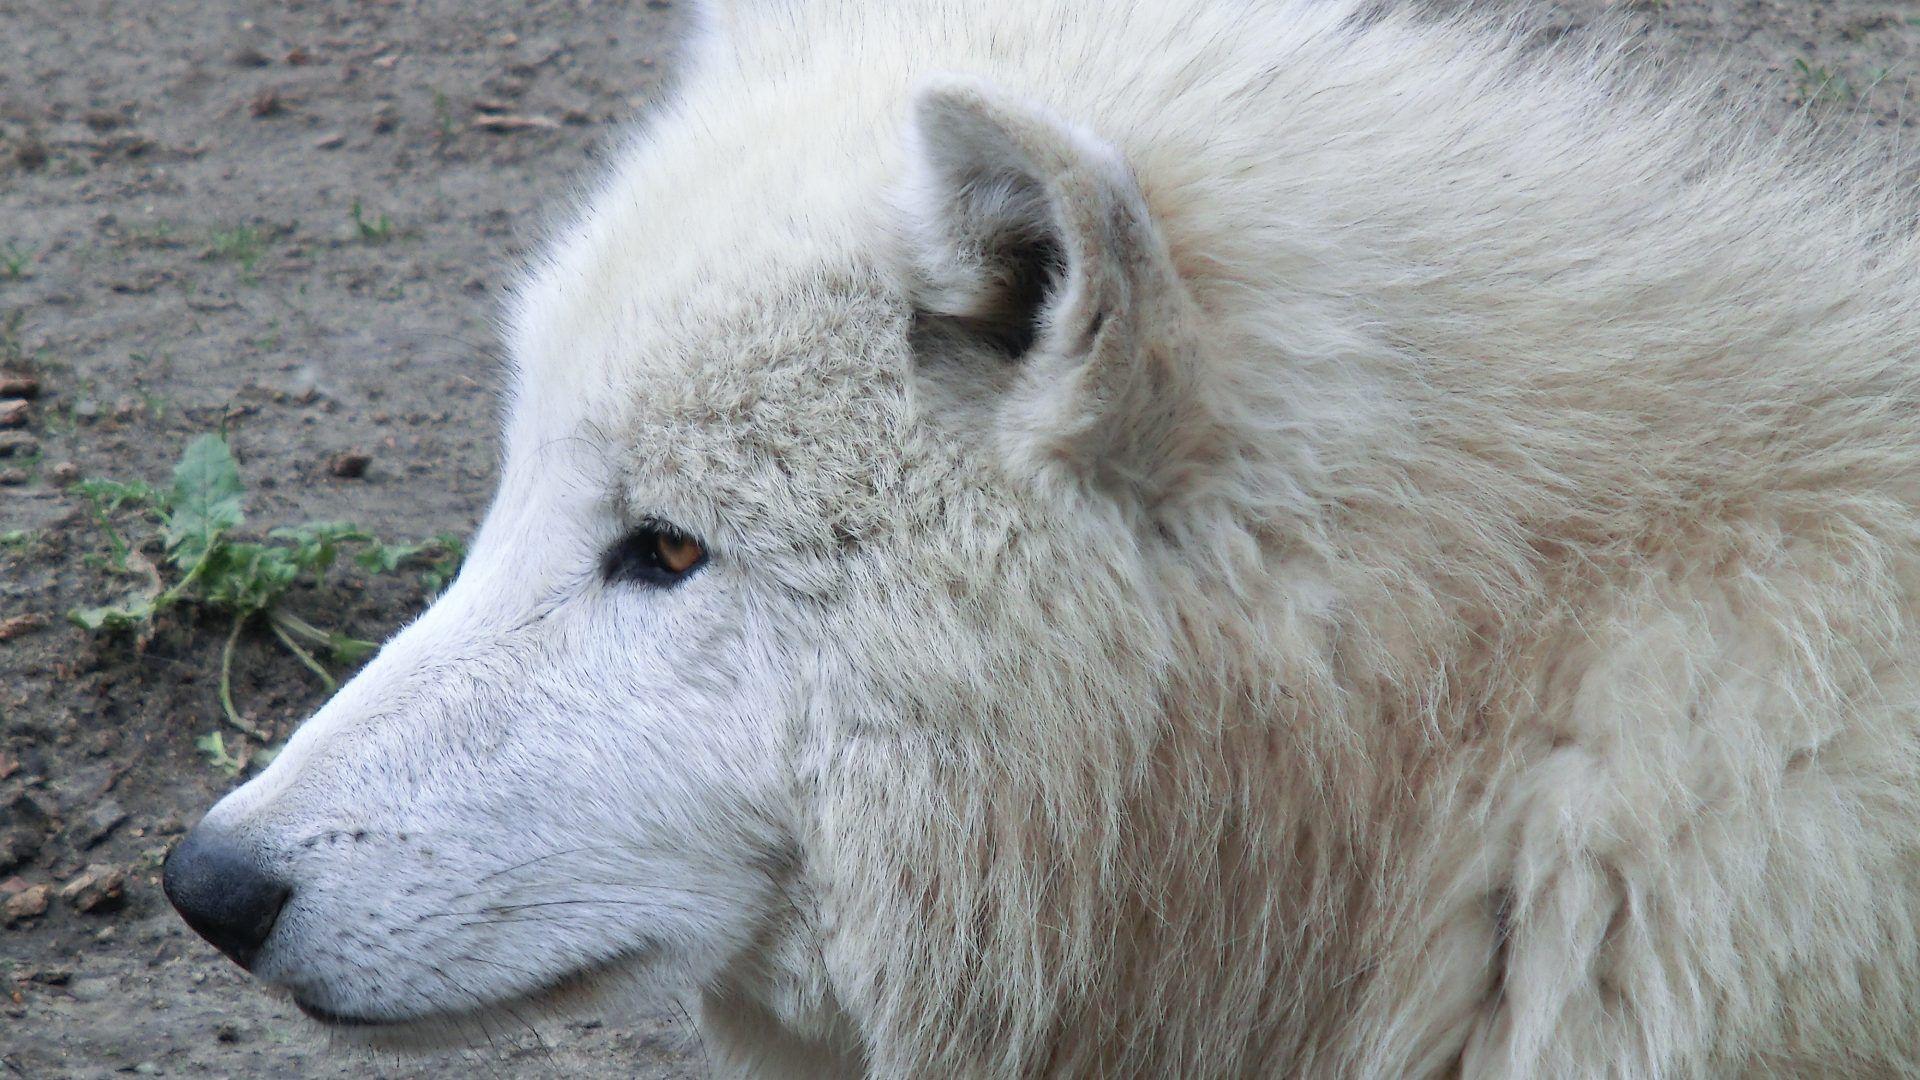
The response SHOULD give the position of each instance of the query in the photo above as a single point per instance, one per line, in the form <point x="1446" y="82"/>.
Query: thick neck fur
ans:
<point x="1499" y="387"/>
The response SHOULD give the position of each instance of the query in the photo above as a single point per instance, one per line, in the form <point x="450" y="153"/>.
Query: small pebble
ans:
<point x="97" y="888"/>
<point x="102" y="819"/>
<point x="350" y="464"/>
<point x="15" y="625"/>
<point x="28" y="903"/>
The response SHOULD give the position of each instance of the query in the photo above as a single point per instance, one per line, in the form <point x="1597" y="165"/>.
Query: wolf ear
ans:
<point x="1024" y="224"/>
<point x="1032" y="235"/>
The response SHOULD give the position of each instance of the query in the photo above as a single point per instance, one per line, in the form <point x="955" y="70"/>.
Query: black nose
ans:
<point x="219" y="888"/>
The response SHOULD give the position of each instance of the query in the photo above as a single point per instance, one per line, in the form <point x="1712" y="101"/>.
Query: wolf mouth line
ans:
<point x="572" y="986"/>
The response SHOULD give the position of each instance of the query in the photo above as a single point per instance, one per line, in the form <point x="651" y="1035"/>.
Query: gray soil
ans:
<point x="178" y="252"/>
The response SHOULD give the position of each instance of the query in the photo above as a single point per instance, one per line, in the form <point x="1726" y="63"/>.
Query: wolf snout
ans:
<point x="217" y="885"/>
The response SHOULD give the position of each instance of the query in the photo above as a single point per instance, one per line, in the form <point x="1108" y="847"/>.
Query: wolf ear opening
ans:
<point x="1030" y="235"/>
<point x="1021" y="222"/>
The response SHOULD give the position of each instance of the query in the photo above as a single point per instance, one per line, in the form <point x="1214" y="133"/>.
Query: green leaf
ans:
<point x="245" y="577"/>
<point x="113" y="616"/>
<point x="349" y="650"/>
<point x="446" y="565"/>
<point x="205" y="501"/>
<point x="215" y="747"/>
<point x="112" y="494"/>
<point x="379" y="558"/>
<point x="316" y="544"/>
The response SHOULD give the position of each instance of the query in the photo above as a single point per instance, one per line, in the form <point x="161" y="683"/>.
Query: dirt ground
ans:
<point x="180" y="249"/>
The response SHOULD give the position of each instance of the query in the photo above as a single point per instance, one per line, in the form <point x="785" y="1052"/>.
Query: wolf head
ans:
<point x="813" y="638"/>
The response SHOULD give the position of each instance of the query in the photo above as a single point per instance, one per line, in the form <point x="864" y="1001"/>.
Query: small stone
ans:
<point x="508" y="123"/>
<point x="19" y="386"/>
<point x="330" y="141"/>
<point x="64" y="473"/>
<point x="80" y="789"/>
<point x="302" y="386"/>
<point x="28" y="903"/>
<point x="349" y="464"/>
<point x="14" y="477"/>
<point x="97" y="888"/>
<point x="147" y="1068"/>
<point x="96" y="988"/>
<point x="13" y="413"/>
<point x="266" y="103"/>
<point x="18" y="444"/>
<point x="32" y="152"/>
<point x="17" y="625"/>
<point x="86" y="409"/>
<point x="100" y="821"/>
<point x="17" y="846"/>
<point x="29" y="808"/>
<point x="126" y="408"/>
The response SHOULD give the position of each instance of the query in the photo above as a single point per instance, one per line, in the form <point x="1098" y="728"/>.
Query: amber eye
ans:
<point x="656" y="554"/>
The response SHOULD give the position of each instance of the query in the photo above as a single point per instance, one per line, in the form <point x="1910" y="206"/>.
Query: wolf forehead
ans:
<point x="747" y="389"/>
<point x="729" y="315"/>
<point x="792" y="400"/>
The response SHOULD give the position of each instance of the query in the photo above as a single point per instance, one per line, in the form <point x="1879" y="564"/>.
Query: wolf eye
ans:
<point x="655" y="554"/>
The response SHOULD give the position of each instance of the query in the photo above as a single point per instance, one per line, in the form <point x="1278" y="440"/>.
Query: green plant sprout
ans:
<point x="375" y="230"/>
<point x="245" y="580"/>
<point x="14" y="260"/>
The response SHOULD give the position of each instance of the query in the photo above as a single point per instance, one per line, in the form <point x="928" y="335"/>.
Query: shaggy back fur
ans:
<point x="1516" y="674"/>
<point x="1288" y="539"/>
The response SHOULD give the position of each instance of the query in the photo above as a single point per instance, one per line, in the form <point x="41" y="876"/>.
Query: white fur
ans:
<point x="1437" y="594"/>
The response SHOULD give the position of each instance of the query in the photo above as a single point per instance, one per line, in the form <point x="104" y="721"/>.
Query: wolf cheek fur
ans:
<point x="1239" y="539"/>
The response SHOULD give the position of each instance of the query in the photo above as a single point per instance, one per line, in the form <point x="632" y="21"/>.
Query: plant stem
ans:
<point x="287" y="620"/>
<point x="118" y="546"/>
<point x="226" y="683"/>
<point x="167" y="598"/>
<point x="274" y="620"/>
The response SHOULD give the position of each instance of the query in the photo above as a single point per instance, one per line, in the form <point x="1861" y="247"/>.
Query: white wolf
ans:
<point x="1138" y="539"/>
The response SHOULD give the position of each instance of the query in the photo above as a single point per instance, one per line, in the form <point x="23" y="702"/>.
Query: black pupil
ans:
<point x="640" y="556"/>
